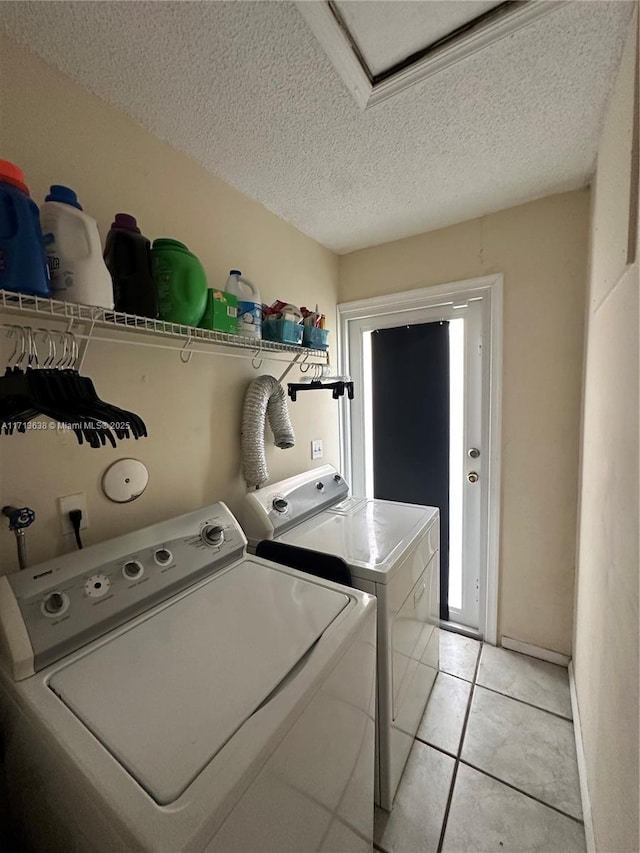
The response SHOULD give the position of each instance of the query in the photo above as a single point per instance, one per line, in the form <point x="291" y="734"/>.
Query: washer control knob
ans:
<point x="97" y="585"/>
<point x="337" y="478"/>
<point x="163" y="557"/>
<point x="280" y="505"/>
<point x="132" y="569"/>
<point x="213" y="534"/>
<point x="55" y="603"/>
<point x="320" y="486"/>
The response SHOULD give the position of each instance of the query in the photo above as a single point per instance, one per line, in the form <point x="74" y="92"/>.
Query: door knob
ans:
<point x="472" y="477"/>
<point x="473" y="452"/>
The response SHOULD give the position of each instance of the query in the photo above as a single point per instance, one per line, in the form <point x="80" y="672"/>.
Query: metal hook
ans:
<point x="32" y="359"/>
<point x="15" y="331"/>
<point x="186" y="352"/>
<point x="51" y="349"/>
<point x="304" y="365"/>
<point x="64" y="351"/>
<point x="257" y="355"/>
<point x="75" y="350"/>
<point x="68" y="351"/>
<point x="23" y="358"/>
<point x="66" y="360"/>
<point x="64" y="345"/>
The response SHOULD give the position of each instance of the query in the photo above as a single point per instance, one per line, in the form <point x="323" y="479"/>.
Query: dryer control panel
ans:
<point x="57" y="607"/>
<point x="272" y="510"/>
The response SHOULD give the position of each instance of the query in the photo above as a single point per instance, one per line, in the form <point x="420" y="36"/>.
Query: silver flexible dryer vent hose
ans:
<point x="265" y="398"/>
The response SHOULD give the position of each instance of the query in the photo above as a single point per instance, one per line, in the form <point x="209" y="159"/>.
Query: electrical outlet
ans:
<point x="316" y="448"/>
<point x="68" y="503"/>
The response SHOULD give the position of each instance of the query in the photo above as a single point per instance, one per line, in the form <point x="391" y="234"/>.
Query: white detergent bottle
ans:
<point x="74" y="253"/>
<point x="249" y="304"/>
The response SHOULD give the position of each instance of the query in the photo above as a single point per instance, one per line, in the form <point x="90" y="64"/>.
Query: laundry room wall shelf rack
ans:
<point x="88" y="322"/>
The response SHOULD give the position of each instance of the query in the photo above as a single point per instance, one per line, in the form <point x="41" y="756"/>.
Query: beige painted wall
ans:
<point x="541" y="248"/>
<point x="606" y="620"/>
<point x="59" y="133"/>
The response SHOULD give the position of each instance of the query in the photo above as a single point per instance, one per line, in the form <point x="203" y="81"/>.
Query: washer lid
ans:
<point x="166" y="695"/>
<point x="369" y="534"/>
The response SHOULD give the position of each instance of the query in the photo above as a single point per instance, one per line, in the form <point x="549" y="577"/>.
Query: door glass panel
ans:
<point x="367" y="401"/>
<point x="456" y="455"/>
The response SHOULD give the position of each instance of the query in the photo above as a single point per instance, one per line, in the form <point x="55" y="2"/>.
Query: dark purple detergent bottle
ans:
<point x="128" y="259"/>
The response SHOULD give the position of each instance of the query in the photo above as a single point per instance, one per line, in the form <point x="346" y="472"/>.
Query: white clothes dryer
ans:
<point x="391" y="550"/>
<point x="164" y="692"/>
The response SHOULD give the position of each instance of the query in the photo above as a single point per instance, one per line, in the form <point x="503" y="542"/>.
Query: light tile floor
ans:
<point x="493" y="768"/>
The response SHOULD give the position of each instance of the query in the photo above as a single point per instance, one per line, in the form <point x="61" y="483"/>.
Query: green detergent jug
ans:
<point x="180" y="281"/>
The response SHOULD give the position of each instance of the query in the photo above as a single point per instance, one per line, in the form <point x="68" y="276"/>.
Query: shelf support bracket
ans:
<point x="290" y="367"/>
<point x="83" y="346"/>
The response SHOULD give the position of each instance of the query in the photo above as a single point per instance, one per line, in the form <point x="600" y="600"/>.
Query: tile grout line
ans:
<point x="507" y="695"/>
<point x="377" y="847"/>
<point x="436" y="747"/>
<point x="520" y="791"/>
<point x="454" y="775"/>
<point x="453" y="675"/>
<point x="497" y="778"/>
<point x="524" y="702"/>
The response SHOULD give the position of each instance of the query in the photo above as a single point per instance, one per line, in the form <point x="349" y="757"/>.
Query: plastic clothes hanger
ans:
<point x="61" y="393"/>
<point x="336" y="384"/>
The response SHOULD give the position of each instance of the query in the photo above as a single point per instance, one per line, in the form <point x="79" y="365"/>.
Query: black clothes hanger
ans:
<point x="338" y="387"/>
<point x="60" y="393"/>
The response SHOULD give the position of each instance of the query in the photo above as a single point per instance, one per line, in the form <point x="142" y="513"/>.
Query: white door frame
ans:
<point x="489" y="290"/>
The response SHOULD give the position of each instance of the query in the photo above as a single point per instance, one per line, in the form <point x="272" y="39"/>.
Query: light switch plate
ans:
<point x="316" y="448"/>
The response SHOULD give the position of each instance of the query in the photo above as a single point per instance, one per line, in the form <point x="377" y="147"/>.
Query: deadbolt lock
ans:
<point x="473" y="452"/>
<point x="472" y="477"/>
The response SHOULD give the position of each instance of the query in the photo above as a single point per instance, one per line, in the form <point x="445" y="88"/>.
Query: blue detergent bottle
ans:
<point x="23" y="262"/>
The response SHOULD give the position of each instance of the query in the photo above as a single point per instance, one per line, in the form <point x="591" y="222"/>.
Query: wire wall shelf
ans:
<point x="77" y="316"/>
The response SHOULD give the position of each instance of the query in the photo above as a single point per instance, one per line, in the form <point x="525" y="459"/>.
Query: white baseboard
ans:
<point x="534" y="651"/>
<point x="582" y="767"/>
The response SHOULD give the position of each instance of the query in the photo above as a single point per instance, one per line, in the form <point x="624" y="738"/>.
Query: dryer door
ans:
<point x="166" y="695"/>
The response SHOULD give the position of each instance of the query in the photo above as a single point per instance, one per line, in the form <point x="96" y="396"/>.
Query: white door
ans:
<point x="470" y="465"/>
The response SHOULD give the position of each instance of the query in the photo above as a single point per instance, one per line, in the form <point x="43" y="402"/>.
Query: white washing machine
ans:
<point x="391" y="550"/>
<point x="164" y="692"/>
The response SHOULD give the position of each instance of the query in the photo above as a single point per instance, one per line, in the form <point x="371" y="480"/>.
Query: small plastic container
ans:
<point x="315" y="338"/>
<point x="282" y="331"/>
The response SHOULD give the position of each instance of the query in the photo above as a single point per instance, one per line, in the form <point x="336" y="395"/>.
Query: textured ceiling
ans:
<point x="389" y="32"/>
<point x="245" y="89"/>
